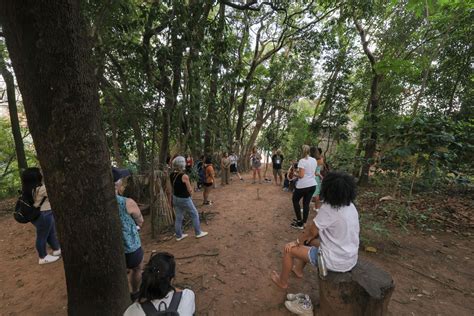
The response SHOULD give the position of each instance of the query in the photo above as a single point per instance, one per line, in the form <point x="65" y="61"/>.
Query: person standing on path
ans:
<point x="225" y="169"/>
<point x="256" y="159"/>
<point x="132" y="220"/>
<point x="209" y="176"/>
<point x="317" y="154"/>
<point x="277" y="162"/>
<point x="233" y="165"/>
<point x="182" y="201"/>
<point x="34" y="191"/>
<point x="305" y="187"/>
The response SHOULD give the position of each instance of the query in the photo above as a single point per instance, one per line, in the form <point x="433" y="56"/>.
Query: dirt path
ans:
<point x="229" y="270"/>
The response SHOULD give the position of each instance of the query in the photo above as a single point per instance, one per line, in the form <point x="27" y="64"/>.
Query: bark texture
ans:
<point x="366" y="290"/>
<point x="51" y="55"/>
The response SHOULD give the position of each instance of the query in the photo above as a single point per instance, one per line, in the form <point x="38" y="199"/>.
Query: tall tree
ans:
<point x="12" y="109"/>
<point x="50" y="53"/>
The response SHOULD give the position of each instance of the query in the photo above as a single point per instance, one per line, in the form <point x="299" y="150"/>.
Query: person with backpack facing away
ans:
<point x="233" y="165"/>
<point x="182" y="201"/>
<point x="209" y="176"/>
<point x="157" y="295"/>
<point x="34" y="192"/>
<point x="199" y="165"/>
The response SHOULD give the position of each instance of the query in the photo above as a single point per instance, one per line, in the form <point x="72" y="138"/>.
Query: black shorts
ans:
<point x="208" y="184"/>
<point x="233" y="168"/>
<point x="134" y="259"/>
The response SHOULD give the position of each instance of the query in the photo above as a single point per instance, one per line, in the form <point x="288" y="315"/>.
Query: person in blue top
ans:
<point x="131" y="219"/>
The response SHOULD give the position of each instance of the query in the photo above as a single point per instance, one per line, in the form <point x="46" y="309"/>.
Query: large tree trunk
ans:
<point x="371" y="116"/>
<point x="19" y="146"/>
<point x="48" y="47"/>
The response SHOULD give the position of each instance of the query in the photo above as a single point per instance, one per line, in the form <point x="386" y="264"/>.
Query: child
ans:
<point x="336" y="225"/>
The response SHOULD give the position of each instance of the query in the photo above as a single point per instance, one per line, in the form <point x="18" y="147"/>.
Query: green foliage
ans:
<point x="9" y="173"/>
<point x="343" y="157"/>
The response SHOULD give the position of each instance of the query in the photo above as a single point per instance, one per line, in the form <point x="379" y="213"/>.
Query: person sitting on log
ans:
<point x="336" y="225"/>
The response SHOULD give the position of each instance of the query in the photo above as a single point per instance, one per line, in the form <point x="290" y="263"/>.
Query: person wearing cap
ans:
<point x="182" y="201"/>
<point x="131" y="219"/>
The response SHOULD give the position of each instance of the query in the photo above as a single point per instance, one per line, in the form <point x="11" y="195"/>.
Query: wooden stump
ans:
<point x="366" y="290"/>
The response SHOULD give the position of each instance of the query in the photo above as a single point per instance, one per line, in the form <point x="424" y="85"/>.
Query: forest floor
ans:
<point x="229" y="270"/>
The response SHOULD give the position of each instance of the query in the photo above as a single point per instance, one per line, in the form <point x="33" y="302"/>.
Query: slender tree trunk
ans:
<point x="15" y="124"/>
<point x="48" y="46"/>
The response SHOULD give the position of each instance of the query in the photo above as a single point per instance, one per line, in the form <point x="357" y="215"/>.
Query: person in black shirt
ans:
<point x="277" y="161"/>
<point x="182" y="201"/>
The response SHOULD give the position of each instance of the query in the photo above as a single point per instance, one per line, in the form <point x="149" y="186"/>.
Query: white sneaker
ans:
<point x="57" y="253"/>
<point x="202" y="234"/>
<point x="48" y="259"/>
<point x="182" y="237"/>
<point x="300" y="306"/>
<point x="292" y="297"/>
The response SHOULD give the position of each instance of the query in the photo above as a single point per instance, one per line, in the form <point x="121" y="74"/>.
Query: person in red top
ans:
<point x="209" y="180"/>
<point x="189" y="163"/>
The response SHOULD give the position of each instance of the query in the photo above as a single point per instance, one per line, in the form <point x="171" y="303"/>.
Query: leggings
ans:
<point x="306" y="194"/>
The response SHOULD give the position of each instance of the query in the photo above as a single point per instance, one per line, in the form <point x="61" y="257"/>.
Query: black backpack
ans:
<point x="171" y="310"/>
<point x="24" y="212"/>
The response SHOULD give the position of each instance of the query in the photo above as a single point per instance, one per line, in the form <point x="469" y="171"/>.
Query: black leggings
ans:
<point x="306" y="194"/>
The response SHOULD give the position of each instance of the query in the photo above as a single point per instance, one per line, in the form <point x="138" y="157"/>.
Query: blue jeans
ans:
<point x="182" y="205"/>
<point x="45" y="233"/>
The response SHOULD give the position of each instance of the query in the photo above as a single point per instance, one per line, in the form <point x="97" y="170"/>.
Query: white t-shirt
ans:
<point x="186" y="305"/>
<point x="339" y="235"/>
<point x="309" y="165"/>
<point x="233" y="159"/>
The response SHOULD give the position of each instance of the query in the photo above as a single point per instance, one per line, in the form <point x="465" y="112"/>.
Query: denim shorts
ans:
<point x="313" y="256"/>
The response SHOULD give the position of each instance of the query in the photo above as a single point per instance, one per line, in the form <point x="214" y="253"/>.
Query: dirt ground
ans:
<point x="229" y="270"/>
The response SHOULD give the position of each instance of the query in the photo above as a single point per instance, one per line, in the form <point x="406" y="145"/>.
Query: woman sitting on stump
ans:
<point x="336" y="225"/>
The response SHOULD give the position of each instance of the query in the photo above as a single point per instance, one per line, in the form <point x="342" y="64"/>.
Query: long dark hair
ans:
<point x="157" y="276"/>
<point x="338" y="189"/>
<point x="31" y="178"/>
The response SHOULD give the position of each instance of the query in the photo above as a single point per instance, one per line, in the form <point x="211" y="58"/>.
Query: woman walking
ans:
<point x="255" y="159"/>
<point x="209" y="176"/>
<point x="34" y="191"/>
<point x="182" y="201"/>
<point x="305" y="187"/>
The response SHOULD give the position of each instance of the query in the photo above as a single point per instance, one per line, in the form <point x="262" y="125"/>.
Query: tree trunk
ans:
<point x="19" y="146"/>
<point x="48" y="46"/>
<point x="216" y="64"/>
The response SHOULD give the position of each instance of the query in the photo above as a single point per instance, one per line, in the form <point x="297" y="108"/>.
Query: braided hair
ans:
<point x="157" y="276"/>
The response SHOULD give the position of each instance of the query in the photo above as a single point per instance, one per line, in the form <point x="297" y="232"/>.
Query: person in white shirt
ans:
<point x="305" y="187"/>
<point x="336" y="225"/>
<point x="156" y="291"/>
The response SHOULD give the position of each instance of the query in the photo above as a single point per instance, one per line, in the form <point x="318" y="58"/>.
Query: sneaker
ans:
<point x="48" y="259"/>
<point x="207" y="203"/>
<point x="297" y="225"/>
<point x="182" y="237"/>
<point x="292" y="297"/>
<point x="202" y="234"/>
<point x="57" y="253"/>
<point x="300" y="306"/>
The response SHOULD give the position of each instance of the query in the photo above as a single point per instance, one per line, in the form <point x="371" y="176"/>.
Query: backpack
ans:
<point x="201" y="173"/>
<point x="171" y="310"/>
<point x="24" y="212"/>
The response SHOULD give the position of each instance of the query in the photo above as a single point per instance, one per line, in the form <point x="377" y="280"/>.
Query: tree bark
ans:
<point x="371" y="116"/>
<point x="12" y="109"/>
<point x="51" y="56"/>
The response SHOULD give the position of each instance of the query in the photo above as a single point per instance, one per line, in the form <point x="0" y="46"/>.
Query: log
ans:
<point x="366" y="290"/>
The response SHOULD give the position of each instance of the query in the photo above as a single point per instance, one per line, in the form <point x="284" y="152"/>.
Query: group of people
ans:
<point x="333" y="234"/>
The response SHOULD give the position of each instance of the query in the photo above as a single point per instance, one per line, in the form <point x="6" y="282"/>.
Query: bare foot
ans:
<point x="298" y="274"/>
<point x="277" y="281"/>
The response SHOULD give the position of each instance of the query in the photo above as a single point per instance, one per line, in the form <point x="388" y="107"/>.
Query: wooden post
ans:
<point x="366" y="290"/>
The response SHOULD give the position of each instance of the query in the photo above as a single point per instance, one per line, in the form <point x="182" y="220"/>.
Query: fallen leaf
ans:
<point x="371" y="249"/>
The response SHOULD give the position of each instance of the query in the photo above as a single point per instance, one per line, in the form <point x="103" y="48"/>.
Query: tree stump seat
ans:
<point x="366" y="290"/>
